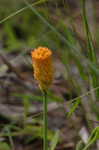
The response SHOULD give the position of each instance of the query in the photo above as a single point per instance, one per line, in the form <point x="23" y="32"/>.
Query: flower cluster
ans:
<point x="43" y="67"/>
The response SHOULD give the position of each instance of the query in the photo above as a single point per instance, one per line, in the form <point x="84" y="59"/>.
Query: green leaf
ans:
<point x="93" y="138"/>
<point x="74" y="107"/>
<point x="55" y="140"/>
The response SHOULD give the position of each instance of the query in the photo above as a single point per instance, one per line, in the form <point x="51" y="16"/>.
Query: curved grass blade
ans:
<point x="21" y="10"/>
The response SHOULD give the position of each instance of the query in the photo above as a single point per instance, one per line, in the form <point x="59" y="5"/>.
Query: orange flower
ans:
<point x="43" y="68"/>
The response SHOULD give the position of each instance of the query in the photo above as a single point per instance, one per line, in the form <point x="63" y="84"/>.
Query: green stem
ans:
<point x="45" y="146"/>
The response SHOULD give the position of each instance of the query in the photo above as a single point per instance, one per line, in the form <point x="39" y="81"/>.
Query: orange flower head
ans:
<point x="43" y="68"/>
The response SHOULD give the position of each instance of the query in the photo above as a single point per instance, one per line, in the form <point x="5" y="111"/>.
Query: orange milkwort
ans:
<point x="43" y="67"/>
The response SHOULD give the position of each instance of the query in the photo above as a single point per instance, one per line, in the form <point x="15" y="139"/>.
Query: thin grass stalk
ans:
<point x="45" y="121"/>
<point x="91" y="53"/>
<point x="91" y="50"/>
<point x="21" y="10"/>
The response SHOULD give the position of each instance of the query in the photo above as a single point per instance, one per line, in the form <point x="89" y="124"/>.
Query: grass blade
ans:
<point x="20" y="10"/>
<point x="55" y="141"/>
<point x="91" y="50"/>
<point x="93" y="138"/>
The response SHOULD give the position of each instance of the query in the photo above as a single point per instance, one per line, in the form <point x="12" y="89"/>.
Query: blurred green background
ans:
<point x="70" y="29"/>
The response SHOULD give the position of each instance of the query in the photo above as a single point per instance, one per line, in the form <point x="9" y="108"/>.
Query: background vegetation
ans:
<point x="70" y="29"/>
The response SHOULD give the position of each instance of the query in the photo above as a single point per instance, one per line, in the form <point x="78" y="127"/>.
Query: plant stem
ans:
<point x="45" y="119"/>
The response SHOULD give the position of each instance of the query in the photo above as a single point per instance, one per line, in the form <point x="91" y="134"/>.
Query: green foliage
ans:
<point x="91" y="49"/>
<point x="54" y="141"/>
<point x="93" y="138"/>
<point x="36" y="132"/>
<point x="32" y="97"/>
<point x="30" y="129"/>
<point x="74" y="106"/>
<point x="79" y="145"/>
<point x="4" y="146"/>
<point x="12" y="42"/>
